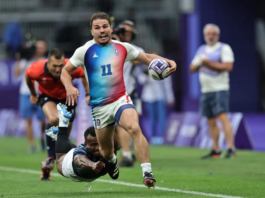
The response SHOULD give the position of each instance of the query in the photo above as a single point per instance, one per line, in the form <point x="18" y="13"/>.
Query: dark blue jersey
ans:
<point x="89" y="173"/>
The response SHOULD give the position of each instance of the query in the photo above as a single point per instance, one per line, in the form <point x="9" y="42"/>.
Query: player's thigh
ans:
<point x="129" y="119"/>
<point x="122" y="135"/>
<point x="105" y="137"/>
<point x="50" y="111"/>
<point x="103" y="116"/>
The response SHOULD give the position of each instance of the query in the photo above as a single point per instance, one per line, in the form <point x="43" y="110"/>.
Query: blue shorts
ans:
<point x="214" y="103"/>
<point x="26" y="108"/>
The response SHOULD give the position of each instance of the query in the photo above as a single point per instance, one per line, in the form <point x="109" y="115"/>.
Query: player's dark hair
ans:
<point x="57" y="53"/>
<point x="90" y="131"/>
<point x="99" y="15"/>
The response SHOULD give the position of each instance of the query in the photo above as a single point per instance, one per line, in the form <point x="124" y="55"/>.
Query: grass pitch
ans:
<point x="174" y="168"/>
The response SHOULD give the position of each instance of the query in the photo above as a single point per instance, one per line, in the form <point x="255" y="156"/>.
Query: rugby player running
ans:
<point x="102" y="60"/>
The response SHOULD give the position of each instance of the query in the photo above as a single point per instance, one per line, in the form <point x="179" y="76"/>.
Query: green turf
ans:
<point x="175" y="168"/>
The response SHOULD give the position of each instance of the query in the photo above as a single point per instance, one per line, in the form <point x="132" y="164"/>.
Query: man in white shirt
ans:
<point x="213" y="61"/>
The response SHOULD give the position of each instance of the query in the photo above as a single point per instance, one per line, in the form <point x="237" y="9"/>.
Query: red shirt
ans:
<point x="48" y="85"/>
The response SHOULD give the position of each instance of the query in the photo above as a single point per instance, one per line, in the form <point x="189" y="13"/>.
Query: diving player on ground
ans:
<point x="82" y="163"/>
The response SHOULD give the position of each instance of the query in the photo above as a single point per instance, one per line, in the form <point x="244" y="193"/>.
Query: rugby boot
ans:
<point x="47" y="166"/>
<point x="149" y="180"/>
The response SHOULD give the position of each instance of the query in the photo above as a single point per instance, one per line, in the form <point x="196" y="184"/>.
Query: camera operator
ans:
<point x="114" y="35"/>
<point x="28" y="54"/>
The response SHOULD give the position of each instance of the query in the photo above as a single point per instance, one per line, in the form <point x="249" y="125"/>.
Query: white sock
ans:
<point x="114" y="159"/>
<point x="63" y="124"/>
<point x="127" y="155"/>
<point x="146" y="167"/>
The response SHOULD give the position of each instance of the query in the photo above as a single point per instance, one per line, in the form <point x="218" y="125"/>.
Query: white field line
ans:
<point x="125" y="183"/>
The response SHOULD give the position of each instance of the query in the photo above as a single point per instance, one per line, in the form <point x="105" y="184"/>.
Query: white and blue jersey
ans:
<point x="103" y="67"/>
<point x="211" y="80"/>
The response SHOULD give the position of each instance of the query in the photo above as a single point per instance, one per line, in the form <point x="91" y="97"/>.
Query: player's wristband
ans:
<point x="87" y="94"/>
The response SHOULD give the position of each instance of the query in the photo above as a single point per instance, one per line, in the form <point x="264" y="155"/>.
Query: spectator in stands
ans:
<point x="12" y="38"/>
<point x="26" y="108"/>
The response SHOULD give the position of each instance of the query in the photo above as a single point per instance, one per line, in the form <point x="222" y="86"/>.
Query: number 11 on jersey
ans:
<point x="104" y="70"/>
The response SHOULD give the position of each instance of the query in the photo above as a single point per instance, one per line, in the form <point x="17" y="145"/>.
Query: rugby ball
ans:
<point x="158" y="68"/>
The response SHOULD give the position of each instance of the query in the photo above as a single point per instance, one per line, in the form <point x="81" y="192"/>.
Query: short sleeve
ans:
<point x="227" y="55"/>
<point x="132" y="52"/>
<point x="78" y="73"/>
<point x="197" y="60"/>
<point x="140" y="49"/>
<point x="78" y="58"/>
<point x="80" y="150"/>
<point x="30" y="72"/>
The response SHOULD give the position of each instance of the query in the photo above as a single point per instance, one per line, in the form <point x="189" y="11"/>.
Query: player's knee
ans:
<point x="133" y="129"/>
<point x="53" y="121"/>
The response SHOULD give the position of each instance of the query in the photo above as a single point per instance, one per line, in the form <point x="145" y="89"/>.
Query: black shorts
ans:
<point x="44" y="98"/>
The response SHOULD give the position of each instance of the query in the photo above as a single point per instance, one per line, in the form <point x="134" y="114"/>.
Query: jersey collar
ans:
<point x="46" y="69"/>
<point x="48" y="73"/>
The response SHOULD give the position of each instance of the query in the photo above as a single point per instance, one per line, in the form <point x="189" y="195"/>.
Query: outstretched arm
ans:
<point x="84" y="163"/>
<point x="66" y="79"/>
<point x="147" y="59"/>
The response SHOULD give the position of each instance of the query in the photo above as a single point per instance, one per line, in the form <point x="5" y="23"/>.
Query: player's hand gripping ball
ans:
<point x="158" y="69"/>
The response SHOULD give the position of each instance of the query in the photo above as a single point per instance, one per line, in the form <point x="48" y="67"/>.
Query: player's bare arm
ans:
<point x="147" y="59"/>
<point x="86" y="86"/>
<point x="218" y="66"/>
<point x="84" y="163"/>
<point x="33" y="94"/>
<point x="66" y="78"/>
